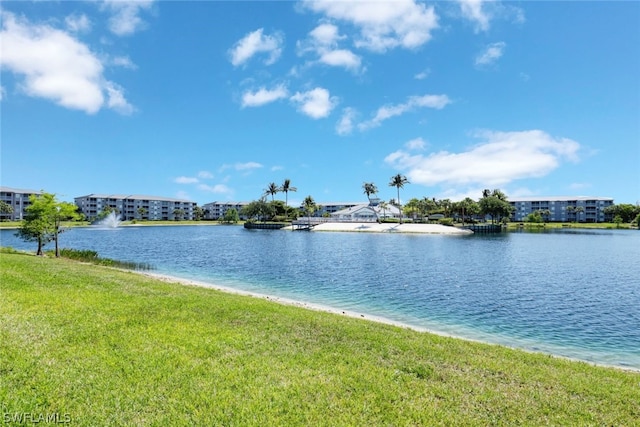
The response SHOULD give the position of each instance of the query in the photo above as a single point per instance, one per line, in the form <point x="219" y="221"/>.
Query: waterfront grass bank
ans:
<point x="109" y="347"/>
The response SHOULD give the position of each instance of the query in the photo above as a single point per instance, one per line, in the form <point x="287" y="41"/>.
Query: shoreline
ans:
<point x="167" y="278"/>
<point x="391" y="228"/>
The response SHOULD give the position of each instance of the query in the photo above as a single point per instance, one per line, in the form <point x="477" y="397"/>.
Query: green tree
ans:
<point x="230" y="216"/>
<point x="398" y="181"/>
<point x="467" y="206"/>
<point x="369" y="188"/>
<point x="384" y="206"/>
<point x="412" y="209"/>
<point x="626" y="211"/>
<point x="544" y="214"/>
<point x="272" y="189"/>
<point x="43" y="220"/>
<point x="576" y="210"/>
<point x="258" y="209"/>
<point x="142" y="212"/>
<point x="310" y="207"/>
<point x="446" y="205"/>
<point x="495" y="204"/>
<point x="198" y="213"/>
<point x="178" y="214"/>
<point x="5" y="209"/>
<point x="534" y="217"/>
<point x="285" y="188"/>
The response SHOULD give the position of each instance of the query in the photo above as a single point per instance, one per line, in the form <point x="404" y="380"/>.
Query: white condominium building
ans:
<point x="135" y="206"/>
<point x="18" y="199"/>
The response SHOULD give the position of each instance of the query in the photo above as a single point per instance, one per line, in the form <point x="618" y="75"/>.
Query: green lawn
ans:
<point x="108" y="347"/>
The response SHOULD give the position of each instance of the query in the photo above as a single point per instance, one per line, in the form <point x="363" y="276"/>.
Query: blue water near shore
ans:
<point x="572" y="293"/>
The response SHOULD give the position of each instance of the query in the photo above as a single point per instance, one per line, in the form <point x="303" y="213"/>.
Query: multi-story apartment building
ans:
<point x="131" y="207"/>
<point x="562" y="209"/>
<point x="216" y="210"/>
<point x="18" y="199"/>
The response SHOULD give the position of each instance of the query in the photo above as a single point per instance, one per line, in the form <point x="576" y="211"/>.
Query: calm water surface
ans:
<point x="571" y="293"/>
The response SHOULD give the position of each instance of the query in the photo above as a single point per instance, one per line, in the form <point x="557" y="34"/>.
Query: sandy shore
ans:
<point x="373" y="227"/>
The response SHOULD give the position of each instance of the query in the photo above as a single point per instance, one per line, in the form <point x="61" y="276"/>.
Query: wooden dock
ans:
<point x="307" y="224"/>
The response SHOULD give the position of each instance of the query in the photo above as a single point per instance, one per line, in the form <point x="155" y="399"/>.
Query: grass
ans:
<point x="109" y="347"/>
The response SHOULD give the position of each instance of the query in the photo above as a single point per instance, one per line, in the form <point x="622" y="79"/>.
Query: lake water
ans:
<point x="574" y="293"/>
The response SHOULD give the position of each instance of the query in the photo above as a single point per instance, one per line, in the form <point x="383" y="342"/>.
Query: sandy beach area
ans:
<point x="373" y="227"/>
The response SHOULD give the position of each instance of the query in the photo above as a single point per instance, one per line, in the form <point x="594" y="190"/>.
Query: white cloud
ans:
<point x="341" y="58"/>
<point x="247" y="166"/>
<point x="217" y="189"/>
<point x="500" y="159"/>
<point x="474" y="11"/>
<point x="386" y="112"/>
<point x="345" y="125"/>
<point x="78" y="23"/>
<point x="383" y="25"/>
<point x="205" y="175"/>
<point x="263" y="96"/>
<point x="491" y="53"/>
<point x="116" y="99"/>
<point x="417" y="144"/>
<point x="254" y="43"/>
<point x="316" y="103"/>
<point x="124" y="62"/>
<point x="276" y="168"/>
<point x="125" y="19"/>
<point x="58" y="67"/>
<point x="422" y="74"/>
<point x="186" y="180"/>
<point x="326" y="34"/>
<point x="323" y="42"/>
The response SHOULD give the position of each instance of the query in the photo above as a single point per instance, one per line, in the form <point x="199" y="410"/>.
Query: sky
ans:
<point x="214" y="100"/>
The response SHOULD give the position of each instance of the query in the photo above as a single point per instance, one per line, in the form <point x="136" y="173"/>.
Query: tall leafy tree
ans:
<point x="467" y="206"/>
<point x="285" y="188"/>
<point x="495" y="204"/>
<point x="384" y="206"/>
<point x="43" y="220"/>
<point x="398" y="181"/>
<point x="5" y="208"/>
<point x="259" y="209"/>
<point x="272" y="189"/>
<point x="575" y="210"/>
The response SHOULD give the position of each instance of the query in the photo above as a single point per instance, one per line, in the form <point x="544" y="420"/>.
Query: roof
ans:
<point x="19" y="190"/>
<point x="133" y="196"/>
<point x="557" y="198"/>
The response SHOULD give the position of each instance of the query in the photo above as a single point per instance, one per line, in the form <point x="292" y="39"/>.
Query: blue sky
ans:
<point x="213" y="100"/>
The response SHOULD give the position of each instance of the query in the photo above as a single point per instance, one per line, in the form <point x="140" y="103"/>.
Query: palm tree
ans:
<point x="286" y="187"/>
<point x="310" y="207"/>
<point x="576" y="210"/>
<point x="398" y="181"/>
<point x="272" y="189"/>
<point x="383" y="205"/>
<point x="369" y="189"/>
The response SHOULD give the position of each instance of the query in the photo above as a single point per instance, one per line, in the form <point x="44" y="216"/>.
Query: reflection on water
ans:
<point x="570" y="292"/>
